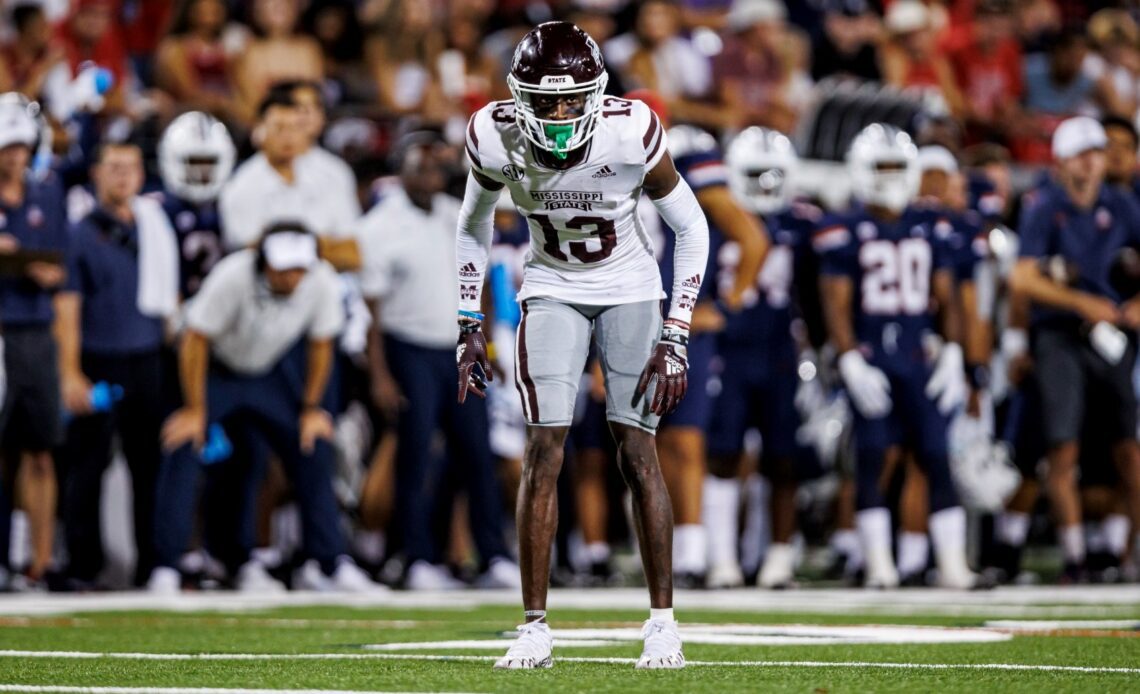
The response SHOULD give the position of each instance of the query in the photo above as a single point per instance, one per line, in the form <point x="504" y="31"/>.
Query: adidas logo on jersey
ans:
<point x="604" y="172"/>
<point x="468" y="271"/>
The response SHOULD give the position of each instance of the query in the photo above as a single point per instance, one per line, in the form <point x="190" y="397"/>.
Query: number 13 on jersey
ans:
<point x="599" y="227"/>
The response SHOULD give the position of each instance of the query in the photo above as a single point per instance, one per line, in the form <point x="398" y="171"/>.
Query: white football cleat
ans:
<point x="253" y="578"/>
<point x="724" y="575"/>
<point x="662" y="646"/>
<point x="164" y="581"/>
<point x="779" y="567"/>
<point x="531" y="649"/>
<point x="426" y="576"/>
<point x="350" y="578"/>
<point x="500" y="574"/>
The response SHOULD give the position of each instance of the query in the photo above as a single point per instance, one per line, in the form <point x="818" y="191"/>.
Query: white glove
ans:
<point x="947" y="385"/>
<point x="867" y="386"/>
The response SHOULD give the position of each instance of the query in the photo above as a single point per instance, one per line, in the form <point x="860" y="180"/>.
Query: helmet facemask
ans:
<point x="534" y="104"/>
<point x="763" y="190"/>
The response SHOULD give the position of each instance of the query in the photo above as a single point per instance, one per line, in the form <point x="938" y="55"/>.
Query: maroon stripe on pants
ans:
<point x="524" y="370"/>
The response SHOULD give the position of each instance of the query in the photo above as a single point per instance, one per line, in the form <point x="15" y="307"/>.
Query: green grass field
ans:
<point x="50" y="644"/>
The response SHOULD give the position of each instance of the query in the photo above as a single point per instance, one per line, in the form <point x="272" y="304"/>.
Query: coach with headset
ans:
<point x="257" y="309"/>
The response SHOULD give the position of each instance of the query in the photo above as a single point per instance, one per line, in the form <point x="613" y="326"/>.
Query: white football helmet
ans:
<point x="883" y="164"/>
<point x="195" y="157"/>
<point x="761" y="162"/>
<point x="982" y="469"/>
<point x="554" y="61"/>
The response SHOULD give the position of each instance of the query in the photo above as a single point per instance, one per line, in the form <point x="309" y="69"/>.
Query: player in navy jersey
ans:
<point x="1071" y="237"/>
<point x="760" y="357"/>
<point x="195" y="158"/>
<point x="883" y="270"/>
<point x="681" y="435"/>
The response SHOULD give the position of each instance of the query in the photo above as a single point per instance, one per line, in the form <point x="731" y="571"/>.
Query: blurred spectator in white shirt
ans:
<point x="279" y="182"/>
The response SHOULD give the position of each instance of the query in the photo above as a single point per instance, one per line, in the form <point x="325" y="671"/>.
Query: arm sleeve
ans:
<point x="473" y="241"/>
<point x="683" y="214"/>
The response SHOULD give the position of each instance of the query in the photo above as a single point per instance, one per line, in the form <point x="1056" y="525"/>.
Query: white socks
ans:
<point x="1012" y="528"/>
<point x="914" y="553"/>
<point x="665" y="614"/>
<point x="690" y="549"/>
<point x="1072" y="539"/>
<point x="720" y="508"/>
<point x="874" y="526"/>
<point x="369" y="545"/>
<point x="1115" y="529"/>
<point x="846" y="542"/>
<point x="948" y="535"/>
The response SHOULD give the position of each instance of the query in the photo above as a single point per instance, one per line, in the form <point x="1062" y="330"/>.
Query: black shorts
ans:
<point x="1070" y="375"/>
<point x="31" y="418"/>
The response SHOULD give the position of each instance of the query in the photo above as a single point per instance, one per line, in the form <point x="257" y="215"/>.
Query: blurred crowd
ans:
<point x="227" y="256"/>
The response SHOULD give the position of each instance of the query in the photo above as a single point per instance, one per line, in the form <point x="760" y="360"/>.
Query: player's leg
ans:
<point x="873" y="439"/>
<point x="914" y="509"/>
<point x="681" y="451"/>
<point x="626" y="335"/>
<point x="779" y="423"/>
<point x="926" y="436"/>
<point x="550" y="353"/>
<point x="1062" y="386"/>
<point x="1117" y="383"/>
<point x="1022" y="432"/>
<point x="732" y="411"/>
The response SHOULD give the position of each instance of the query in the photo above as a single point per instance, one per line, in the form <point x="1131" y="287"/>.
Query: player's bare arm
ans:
<point x="747" y="230"/>
<point x="836" y="293"/>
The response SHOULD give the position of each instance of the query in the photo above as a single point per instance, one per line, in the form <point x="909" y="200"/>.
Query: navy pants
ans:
<point x="250" y="408"/>
<point x="915" y="422"/>
<point x="86" y="453"/>
<point x="429" y="378"/>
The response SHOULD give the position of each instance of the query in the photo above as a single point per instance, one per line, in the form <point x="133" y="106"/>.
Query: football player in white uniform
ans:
<point x="575" y="163"/>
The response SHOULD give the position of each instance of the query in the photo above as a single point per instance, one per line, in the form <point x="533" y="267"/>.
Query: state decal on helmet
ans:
<point x="557" y="66"/>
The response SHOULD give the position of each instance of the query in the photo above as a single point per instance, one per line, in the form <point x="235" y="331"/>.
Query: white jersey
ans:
<point x="587" y="244"/>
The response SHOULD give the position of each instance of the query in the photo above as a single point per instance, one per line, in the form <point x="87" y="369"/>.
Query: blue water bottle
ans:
<point x="218" y="447"/>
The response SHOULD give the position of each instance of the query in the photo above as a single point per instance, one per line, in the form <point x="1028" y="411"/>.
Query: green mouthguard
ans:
<point x="561" y="134"/>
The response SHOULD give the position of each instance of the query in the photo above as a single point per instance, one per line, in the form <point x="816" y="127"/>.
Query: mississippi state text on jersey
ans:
<point x="587" y="244"/>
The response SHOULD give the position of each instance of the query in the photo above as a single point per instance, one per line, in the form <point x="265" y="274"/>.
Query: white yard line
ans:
<point x="805" y="664"/>
<point x="483" y="658"/>
<point x="1012" y="602"/>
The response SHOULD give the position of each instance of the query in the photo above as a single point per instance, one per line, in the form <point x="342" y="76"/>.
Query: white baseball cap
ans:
<point x="936" y="158"/>
<point x="746" y="13"/>
<point x="17" y="127"/>
<point x="1078" y="135"/>
<point x="905" y="16"/>
<point x="290" y="250"/>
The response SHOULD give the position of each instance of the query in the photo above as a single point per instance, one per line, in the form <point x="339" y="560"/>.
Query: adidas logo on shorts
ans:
<point x="604" y="172"/>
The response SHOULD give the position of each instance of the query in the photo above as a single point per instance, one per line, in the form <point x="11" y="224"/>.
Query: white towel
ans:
<point x="158" y="259"/>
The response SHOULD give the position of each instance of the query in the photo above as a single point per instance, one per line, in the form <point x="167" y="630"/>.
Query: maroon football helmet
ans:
<point x="557" y="79"/>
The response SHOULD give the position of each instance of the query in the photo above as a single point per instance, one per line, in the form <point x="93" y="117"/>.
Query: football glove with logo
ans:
<point x="472" y="351"/>
<point x="669" y="365"/>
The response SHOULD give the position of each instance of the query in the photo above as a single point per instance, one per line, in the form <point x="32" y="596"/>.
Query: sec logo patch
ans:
<point x="513" y="173"/>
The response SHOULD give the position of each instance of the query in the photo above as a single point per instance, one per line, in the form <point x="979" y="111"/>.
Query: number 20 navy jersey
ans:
<point x="892" y="267"/>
